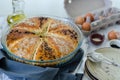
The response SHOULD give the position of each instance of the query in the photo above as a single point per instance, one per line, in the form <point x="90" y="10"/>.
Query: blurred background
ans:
<point x="51" y="7"/>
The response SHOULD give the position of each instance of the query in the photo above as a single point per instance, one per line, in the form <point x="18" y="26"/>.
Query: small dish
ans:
<point x="115" y="43"/>
<point x="96" y="38"/>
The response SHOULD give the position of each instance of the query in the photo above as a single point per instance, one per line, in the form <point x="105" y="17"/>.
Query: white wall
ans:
<point x="36" y="7"/>
<point x="5" y="7"/>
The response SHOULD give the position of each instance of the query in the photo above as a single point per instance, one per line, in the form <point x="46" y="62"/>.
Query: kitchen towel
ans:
<point x="19" y="71"/>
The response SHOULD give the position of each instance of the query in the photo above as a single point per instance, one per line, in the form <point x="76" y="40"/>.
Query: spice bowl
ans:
<point x="115" y="43"/>
<point x="96" y="38"/>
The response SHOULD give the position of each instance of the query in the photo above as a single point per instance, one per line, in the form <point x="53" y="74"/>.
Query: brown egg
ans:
<point x="90" y="15"/>
<point x="86" y="26"/>
<point x="112" y="35"/>
<point x="79" y="20"/>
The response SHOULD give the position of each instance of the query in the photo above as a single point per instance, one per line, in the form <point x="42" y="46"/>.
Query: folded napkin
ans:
<point x="20" y="71"/>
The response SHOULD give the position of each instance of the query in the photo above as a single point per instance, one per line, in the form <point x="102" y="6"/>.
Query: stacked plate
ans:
<point x="103" y="71"/>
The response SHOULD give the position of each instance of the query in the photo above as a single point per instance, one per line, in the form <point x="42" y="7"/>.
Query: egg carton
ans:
<point x="109" y="16"/>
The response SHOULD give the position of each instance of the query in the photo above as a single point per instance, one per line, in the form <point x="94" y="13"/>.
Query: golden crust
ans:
<point x="45" y="52"/>
<point x="46" y="39"/>
<point x="24" y="47"/>
<point x="16" y="34"/>
<point x="32" y="24"/>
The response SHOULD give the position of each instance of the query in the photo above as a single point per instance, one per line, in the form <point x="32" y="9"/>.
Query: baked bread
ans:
<point x="42" y="38"/>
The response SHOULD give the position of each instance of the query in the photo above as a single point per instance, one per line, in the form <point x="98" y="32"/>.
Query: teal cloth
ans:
<point x="20" y="71"/>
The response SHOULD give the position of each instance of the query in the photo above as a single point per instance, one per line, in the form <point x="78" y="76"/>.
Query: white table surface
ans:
<point x="37" y="7"/>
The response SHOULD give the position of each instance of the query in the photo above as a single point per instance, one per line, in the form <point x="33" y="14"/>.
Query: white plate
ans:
<point x="79" y="7"/>
<point x="103" y="71"/>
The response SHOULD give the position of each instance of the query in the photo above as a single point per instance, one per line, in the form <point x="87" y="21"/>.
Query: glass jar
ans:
<point x="18" y="12"/>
